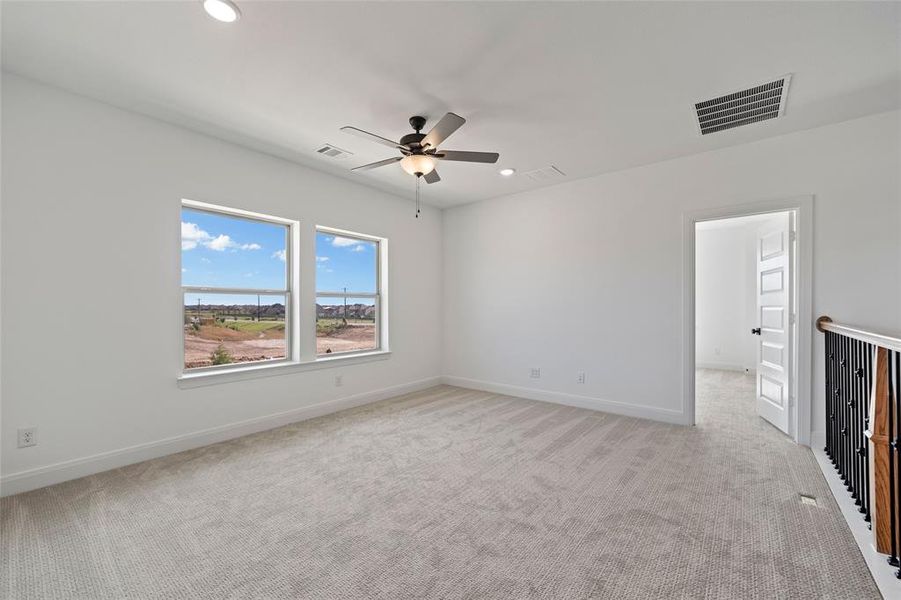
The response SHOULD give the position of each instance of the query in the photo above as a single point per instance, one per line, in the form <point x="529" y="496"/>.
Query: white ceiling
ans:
<point x="588" y="87"/>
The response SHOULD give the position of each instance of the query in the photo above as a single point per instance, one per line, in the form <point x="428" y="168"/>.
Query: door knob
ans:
<point x="756" y="331"/>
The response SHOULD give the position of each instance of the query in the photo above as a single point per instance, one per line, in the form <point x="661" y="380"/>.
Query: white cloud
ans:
<point x="359" y="248"/>
<point x="224" y="242"/>
<point x="220" y="244"/>
<point x="322" y="258"/>
<point x="205" y="259"/>
<point x="184" y="270"/>
<point x="191" y="235"/>
<point x="279" y="254"/>
<point x="342" y="242"/>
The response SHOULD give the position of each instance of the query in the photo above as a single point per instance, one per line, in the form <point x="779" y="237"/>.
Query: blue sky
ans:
<point x="222" y="251"/>
<point x="344" y="263"/>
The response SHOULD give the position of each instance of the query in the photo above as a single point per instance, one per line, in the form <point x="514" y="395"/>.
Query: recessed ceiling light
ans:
<point x="507" y="172"/>
<point x="222" y="10"/>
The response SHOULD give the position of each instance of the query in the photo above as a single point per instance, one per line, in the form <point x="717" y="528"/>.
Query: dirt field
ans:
<point x="256" y="341"/>
<point x="355" y="336"/>
<point x="247" y="342"/>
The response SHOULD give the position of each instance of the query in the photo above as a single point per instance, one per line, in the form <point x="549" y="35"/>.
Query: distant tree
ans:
<point x="220" y="356"/>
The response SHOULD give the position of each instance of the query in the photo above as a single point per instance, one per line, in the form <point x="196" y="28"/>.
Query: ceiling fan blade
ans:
<point x="431" y="177"/>
<point x="448" y="124"/>
<point x="461" y="155"/>
<point x="371" y="137"/>
<point x="375" y="165"/>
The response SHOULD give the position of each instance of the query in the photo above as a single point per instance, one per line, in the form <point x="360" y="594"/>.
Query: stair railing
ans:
<point x="863" y="426"/>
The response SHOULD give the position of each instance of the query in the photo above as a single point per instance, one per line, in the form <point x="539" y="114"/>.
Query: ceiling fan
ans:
<point x="419" y="151"/>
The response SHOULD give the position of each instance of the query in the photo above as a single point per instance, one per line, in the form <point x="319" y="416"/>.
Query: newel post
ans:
<point x="880" y="447"/>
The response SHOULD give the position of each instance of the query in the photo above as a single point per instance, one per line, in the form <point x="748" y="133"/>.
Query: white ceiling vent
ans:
<point x="545" y="174"/>
<point x="759" y="103"/>
<point x="333" y="151"/>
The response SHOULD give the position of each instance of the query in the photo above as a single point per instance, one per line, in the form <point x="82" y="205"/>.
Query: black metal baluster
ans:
<point x="830" y="396"/>
<point x="836" y="415"/>
<point x="836" y="393"/>
<point x="827" y="343"/>
<point x="862" y="402"/>
<point x="867" y="386"/>
<point x="855" y="422"/>
<point x="846" y="421"/>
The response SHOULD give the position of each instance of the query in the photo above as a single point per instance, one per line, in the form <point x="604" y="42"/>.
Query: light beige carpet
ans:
<point x="451" y="493"/>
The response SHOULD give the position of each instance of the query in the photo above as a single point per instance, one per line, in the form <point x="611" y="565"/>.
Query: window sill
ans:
<point x="193" y="380"/>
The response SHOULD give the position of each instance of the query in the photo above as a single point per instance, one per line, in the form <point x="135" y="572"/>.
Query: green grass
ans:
<point x="328" y="326"/>
<point x="254" y="326"/>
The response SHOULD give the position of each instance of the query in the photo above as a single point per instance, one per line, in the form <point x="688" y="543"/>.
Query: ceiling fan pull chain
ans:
<point x="417" y="196"/>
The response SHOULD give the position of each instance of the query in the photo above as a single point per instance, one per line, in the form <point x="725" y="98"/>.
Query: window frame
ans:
<point x="289" y="293"/>
<point x="381" y="345"/>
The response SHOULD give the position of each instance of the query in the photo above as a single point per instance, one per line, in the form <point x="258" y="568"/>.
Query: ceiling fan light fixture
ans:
<point x="222" y="10"/>
<point x="418" y="164"/>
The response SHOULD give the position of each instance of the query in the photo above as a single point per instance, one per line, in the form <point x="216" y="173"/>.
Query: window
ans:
<point x="347" y="293"/>
<point x="236" y="287"/>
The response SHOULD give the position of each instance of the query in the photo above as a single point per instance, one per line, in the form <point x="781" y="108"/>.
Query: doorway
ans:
<point x="747" y="291"/>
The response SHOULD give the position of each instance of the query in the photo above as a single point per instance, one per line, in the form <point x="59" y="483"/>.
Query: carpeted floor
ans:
<point x="451" y="493"/>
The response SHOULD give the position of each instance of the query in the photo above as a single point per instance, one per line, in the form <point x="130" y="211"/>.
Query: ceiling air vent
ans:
<point x="545" y="174"/>
<point x="759" y="103"/>
<point x="333" y="151"/>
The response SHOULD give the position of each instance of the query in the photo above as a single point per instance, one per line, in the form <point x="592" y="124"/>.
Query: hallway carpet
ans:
<point x="451" y="493"/>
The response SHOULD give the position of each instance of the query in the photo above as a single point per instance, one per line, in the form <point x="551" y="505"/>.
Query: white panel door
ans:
<point x="774" y="285"/>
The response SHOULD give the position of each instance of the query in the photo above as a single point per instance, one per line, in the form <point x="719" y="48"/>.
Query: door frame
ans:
<point x="800" y="389"/>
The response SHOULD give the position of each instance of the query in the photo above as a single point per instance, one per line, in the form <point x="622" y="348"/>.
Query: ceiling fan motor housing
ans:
<point x="417" y="123"/>
<point x="413" y="140"/>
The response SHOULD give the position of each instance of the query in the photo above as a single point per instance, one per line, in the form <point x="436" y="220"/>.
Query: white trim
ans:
<point x="236" y="212"/>
<point x="199" y="378"/>
<point x="31" y="479"/>
<point x="803" y="207"/>
<point x="381" y="284"/>
<point x="611" y="406"/>
<point x="291" y="298"/>
<point x="883" y="574"/>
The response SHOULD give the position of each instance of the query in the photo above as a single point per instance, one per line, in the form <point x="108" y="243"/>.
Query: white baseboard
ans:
<point x="611" y="406"/>
<point x="31" y="479"/>
<point x="724" y="367"/>
<point x="817" y="438"/>
<point x="883" y="574"/>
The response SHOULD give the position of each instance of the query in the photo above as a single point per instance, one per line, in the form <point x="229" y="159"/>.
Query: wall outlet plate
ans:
<point x="28" y="436"/>
<point x="580" y="377"/>
<point x="339" y="380"/>
<point x="535" y="373"/>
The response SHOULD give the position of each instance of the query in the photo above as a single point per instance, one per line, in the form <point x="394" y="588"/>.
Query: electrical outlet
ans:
<point x="28" y="437"/>
<point x="580" y="377"/>
<point x="339" y="380"/>
<point x="535" y="373"/>
<point x="716" y="351"/>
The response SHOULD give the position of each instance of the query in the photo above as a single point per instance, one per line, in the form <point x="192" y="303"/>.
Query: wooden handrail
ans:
<point x="825" y="324"/>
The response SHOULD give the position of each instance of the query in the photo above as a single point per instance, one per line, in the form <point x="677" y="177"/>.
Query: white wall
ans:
<point x="587" y="275"/>
<point x="90" y="288"/>
<point x="725" y="296"/>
